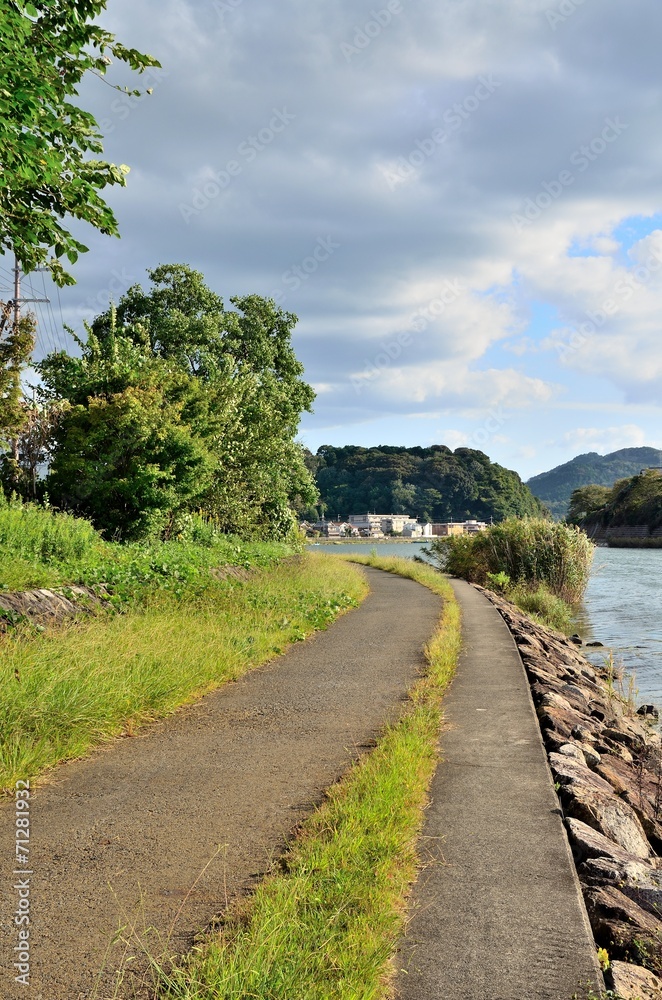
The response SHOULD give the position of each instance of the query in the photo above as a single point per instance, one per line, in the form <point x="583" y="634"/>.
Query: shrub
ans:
<point x="531" y="551"/>
<point x="498" y="581"/>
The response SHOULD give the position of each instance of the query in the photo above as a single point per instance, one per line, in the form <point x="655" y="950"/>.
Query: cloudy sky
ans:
<point x="460" y="199"/>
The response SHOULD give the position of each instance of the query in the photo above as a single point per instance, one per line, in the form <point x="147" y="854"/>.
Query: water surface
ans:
<point x="623" y="609"/>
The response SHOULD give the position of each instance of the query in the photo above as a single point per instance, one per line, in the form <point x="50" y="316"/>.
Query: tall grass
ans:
<point x="65" y="692"/>
<point x="326" y="924"/>
<point x="530" y="551"/>
<point x="34" y="532"/>
<point x="40" y="547"/>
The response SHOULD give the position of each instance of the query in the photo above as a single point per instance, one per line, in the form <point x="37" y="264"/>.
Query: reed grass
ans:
<point x="531" y="551"/>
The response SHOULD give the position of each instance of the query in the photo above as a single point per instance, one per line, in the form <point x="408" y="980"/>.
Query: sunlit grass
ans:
<point x="63" y="692"/>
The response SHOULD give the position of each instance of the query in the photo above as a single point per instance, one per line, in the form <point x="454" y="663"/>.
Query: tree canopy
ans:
<point x="433" y="484"/>
<point x="633" y="501"/>
<point x="177" y="404"/>
<point x="46" y="172"/>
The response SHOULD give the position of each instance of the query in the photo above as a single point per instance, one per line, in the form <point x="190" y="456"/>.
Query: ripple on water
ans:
<point x="623" y="609"/>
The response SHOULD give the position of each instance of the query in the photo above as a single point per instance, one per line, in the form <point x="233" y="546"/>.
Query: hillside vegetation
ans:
<point x="555" y="487"/>
<point x="630" y="502"/>
<point x="432" y="484"/>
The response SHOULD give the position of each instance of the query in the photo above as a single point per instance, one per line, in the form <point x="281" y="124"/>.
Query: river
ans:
<point x="622" y="608"/>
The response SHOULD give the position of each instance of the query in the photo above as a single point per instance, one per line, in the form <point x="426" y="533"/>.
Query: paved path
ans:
<point x="500" y="915"/>
<point x="240" y="769"/>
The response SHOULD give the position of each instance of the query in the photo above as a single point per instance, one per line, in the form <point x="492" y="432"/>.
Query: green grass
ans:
<point x="325" y="924"/>
<point x="543" y="606"/>
<point x="40" y="547"/>
<point x="64" y="692"/>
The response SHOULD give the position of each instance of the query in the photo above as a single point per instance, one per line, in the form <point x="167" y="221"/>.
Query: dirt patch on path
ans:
<point x="124" y="836"/>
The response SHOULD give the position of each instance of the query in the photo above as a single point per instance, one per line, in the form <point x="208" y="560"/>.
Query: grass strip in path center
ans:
<point x="325" y="923"/>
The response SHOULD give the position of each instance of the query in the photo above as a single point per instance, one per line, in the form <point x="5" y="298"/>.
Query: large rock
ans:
<point x="626" y="930"/>
<point x="608" y="903"/>
<point x="50" y="607"/>
<point x="640" y="882"/>
<point x="629" y="943"/>
<point x="632" y="982"/>
<point x="555" y="701"/>
<point x="542" y="674"/>
<point x="583" y="753"/>
<point x="572" y="773"/>
<point x="641" y="789"/>
<point x="607" y="814"/>
<point x="588" y="843"/>
<point x="566" y="721"/>
<point x="572" y="750"/>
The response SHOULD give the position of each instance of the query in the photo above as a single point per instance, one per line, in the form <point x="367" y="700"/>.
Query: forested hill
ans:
<point x="554" y="487"/>
<point x="433" y="484"/>
<point x="629" y="503"/>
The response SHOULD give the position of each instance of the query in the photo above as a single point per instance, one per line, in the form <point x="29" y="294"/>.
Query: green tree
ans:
<point x="587" y="500"/>
<point x="46" y="138"/>
<point x="228" y="379"/>
<point x="403" y="497"/>
<point x="16" y="347"/>
<point x="245" y="360"/>
<point x="130" y="449"/>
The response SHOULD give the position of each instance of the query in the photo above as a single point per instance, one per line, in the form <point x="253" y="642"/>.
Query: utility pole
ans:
<point x="15" y="306"/>
<point x="17" y="301"/>
<point x="17" y="293"/>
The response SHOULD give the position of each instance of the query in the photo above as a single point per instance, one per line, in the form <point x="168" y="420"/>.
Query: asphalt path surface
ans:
<point x="130" y="837"/>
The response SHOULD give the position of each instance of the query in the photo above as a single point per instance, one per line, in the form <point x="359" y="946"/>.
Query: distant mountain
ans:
<point x="554" y="487"/>
<point x="433" y="484"/>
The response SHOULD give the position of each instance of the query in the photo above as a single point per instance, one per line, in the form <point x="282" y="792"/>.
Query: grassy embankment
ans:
<point x="541" y="566"/>
<point x="326" y="922"/>
<point x="180" y="630"/>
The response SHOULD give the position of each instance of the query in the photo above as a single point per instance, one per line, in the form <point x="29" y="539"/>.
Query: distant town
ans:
<point x="388" y="525"/>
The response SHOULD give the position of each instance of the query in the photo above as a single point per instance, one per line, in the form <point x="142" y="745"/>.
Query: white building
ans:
<point x="368" y="525"/>
<point x="377" y="525"/>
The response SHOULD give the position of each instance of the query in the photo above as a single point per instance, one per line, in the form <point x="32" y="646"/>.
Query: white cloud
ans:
<point x="400" y="245"/>
<point x="605" y="439"/>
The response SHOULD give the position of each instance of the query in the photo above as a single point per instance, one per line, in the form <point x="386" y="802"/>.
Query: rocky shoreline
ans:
<point x="607" y="765"/>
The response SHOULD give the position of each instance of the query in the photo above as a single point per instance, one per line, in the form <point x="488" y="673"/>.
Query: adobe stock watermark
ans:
<point x="392" y="350"/>
<point x="223" y="7"/>
<point x="247" y="152"/>
<point x="124" y="105"/>
<point x="297" y="274"/>
<point x="581" y="159"/>
<point x="624" y="290"/>
<point x="22" y="917"/>
<point x="561" y="13"/>
<point x="453" y="119"/>
<point x="119" y="283"/>
<point x="364" y="35"/>
<point x="490" y="427"/>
